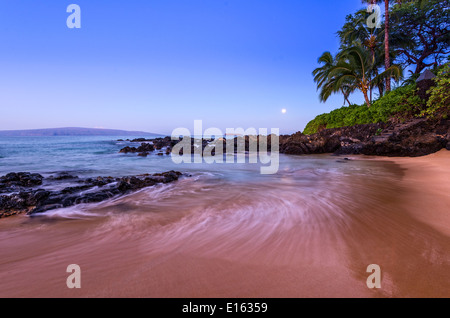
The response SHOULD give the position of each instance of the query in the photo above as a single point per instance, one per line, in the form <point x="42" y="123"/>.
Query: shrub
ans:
<point x="438" y="104"/>
<point x="397" y="105"/>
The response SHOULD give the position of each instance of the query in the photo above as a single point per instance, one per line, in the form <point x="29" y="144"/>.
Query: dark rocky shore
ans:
<point x="417" y="137"/>
<point x="31" y="193"/>
<point x="414" y="138"/>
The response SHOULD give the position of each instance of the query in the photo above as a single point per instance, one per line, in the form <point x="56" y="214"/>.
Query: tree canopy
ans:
<point x="419" y="37"/>
<point x="421" y="33"/>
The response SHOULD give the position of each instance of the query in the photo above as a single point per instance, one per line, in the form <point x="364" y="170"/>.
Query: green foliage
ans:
<point x="439" y="102"/>
<point x="318" y="123"/>
<point x="399" y="104"/>
<point x="355" y="30"/>
<point x="420" y="32"/>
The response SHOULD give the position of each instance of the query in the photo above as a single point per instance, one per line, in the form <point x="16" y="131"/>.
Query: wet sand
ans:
<point x="208" y="239"/>
<point x="416" y="260"/>
<point x="428" y="180"/>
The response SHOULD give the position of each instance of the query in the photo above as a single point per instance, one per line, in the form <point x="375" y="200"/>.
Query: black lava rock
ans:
<point x="32" y="201"/>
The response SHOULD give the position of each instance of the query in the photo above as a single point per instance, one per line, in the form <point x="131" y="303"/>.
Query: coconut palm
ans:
<point x="324" y="83"/>
<point x="387" y="61"/>
<point x="355" y="69"/>
<point x="356" y="30"/>
<point x="321" y="73"/>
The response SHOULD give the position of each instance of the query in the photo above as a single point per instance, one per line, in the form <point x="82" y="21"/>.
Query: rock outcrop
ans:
<point x="16" y="181"/>
<point x="417" y="137"/>
<point x="19" y="194"/>
<point x="329" y="140"/>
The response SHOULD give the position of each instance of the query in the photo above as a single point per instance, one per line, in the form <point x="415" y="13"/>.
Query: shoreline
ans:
<point x="427" y="181"/>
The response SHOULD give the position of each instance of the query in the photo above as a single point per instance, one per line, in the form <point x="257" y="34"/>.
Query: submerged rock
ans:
<point x="32" y="201"/>
<point x="63" y="176"/>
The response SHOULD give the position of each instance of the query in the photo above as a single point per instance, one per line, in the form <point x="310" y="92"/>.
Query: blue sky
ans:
<point x="155" y="65"/>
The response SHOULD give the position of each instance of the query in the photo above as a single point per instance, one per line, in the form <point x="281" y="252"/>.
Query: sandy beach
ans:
<point x="424" y="194"/>
<point x="428" y="181"/>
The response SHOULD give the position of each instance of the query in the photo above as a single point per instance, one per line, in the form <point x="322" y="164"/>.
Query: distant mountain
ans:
<point x="72" y="131"/>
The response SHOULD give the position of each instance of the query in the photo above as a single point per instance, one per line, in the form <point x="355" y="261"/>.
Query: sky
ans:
<point x="156" y="65"/>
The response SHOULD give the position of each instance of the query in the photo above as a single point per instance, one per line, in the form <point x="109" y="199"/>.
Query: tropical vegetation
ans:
<point x="370" y="60"/>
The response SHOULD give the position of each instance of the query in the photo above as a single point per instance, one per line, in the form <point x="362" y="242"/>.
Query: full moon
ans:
<point x="284" y="110"/>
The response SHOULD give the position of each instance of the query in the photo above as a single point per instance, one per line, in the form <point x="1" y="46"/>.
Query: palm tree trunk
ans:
<point x="366" y="98"/>
<point x="346" y="98"/>
<point x="387" y="62"/>
<point x="380" y="90"/>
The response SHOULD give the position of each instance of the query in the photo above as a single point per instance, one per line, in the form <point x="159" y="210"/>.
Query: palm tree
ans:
<point x="324" y="83"/>
<point x="355" y="69"/>
<point x="387" y="62"/>
<point x="379" y="64"/>
<point x="356" y="30"/>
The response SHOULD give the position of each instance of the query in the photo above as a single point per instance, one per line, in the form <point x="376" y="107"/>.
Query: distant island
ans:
<point x="72" y="131"/>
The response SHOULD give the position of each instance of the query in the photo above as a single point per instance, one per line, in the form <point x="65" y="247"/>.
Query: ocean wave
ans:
<point x="78" y="212"/>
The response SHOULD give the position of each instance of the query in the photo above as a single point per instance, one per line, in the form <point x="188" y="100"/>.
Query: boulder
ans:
<point x="128" y="149"/>
<point x="159" y="145"/>
<point x="145" y="148"/>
